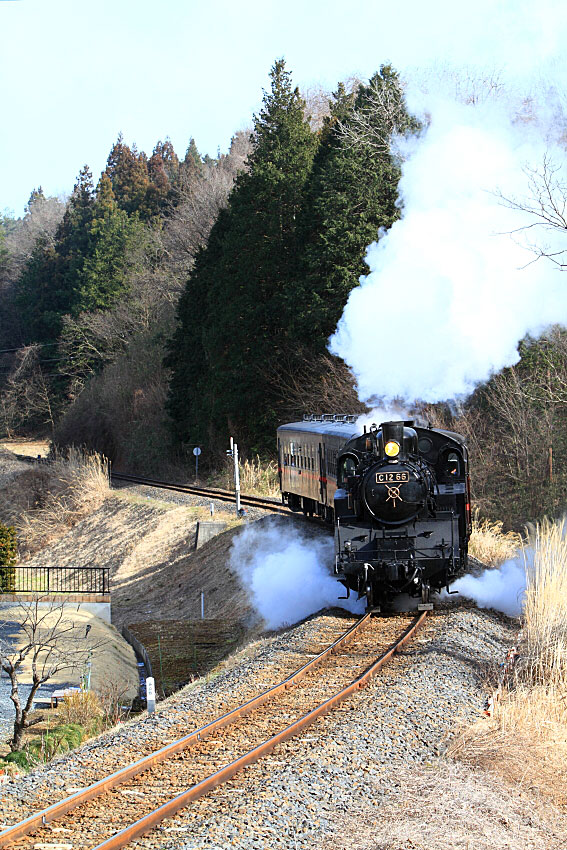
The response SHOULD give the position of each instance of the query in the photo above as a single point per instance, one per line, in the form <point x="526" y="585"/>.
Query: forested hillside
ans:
<point x="175" y="300"/>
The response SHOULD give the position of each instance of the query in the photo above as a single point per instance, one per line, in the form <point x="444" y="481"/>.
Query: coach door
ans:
<point x="323" y="473"/>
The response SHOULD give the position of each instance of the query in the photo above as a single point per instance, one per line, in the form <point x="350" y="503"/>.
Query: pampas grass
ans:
<point x="544" y="619"/>
<point x="526" y="739"/>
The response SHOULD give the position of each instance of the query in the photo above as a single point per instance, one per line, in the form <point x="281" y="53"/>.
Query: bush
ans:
<point x="56" y="741"/>
<point x="120" y="413"/>
<point x="83" y="708"/>
<point x="18" y="757"/>
<point x="8" y="551"/>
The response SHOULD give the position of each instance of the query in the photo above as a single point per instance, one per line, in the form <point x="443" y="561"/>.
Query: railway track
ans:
<point x="206" y="492"/>
<point x="132" y="801"/>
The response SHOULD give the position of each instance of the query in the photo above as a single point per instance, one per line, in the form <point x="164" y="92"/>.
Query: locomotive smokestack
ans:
<point x="392" y="439"/>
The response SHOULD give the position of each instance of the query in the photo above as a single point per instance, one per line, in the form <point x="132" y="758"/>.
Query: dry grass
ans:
<point x="447" y="807"/>
<point x="526" y="739"/>
<point x="257" y="478"/>
<point x="48" y="499"/>
<point x="544" y="620"/>
<point x="490" y="545"/>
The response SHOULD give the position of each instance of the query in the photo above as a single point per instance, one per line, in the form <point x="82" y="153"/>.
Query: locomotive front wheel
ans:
<point x="426" y="604"/>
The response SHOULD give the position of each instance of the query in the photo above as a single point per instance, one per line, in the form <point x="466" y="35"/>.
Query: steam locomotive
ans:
<point x="399" y="497"/>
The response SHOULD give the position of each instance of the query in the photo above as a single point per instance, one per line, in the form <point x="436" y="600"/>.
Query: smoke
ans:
<point x="288" y="575"/>
<point x="392" y="413"/>
<point x="453" y="286"/>
<point x="501" y="589"/>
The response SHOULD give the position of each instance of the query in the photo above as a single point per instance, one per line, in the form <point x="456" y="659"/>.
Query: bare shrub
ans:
<point x="27" y="396"/>
<point x="111" y="698"/>
<point x="82" y="707"/>
<point x="43" y="502"/>
<point x="307" y="384"/>
<point x="121" y="411"/>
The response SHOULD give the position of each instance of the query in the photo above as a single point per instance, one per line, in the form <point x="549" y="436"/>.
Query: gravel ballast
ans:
<point x="351" y="759"/>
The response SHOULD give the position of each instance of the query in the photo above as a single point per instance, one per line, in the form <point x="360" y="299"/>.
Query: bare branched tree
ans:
<point x="383" y="116"/>
<point x="27" y="392"/>
<point x="50" y="642"/>
<point x="198" y="205"/>
<point x="546" y="205"/>
<point x="42" y="217"/>
<point x="315" y="385"/>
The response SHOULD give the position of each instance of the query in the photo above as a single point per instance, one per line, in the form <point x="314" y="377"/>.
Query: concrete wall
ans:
<point x="206" y="531"/>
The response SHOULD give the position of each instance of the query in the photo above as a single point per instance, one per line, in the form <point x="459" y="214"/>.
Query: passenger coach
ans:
<point x="307" y="461"/>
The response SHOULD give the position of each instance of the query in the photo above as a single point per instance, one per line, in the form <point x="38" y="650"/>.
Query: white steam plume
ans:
<point x="392" y="413"/>
<point x="501" y="589"/>
<point x="452" y="286"/>
<point x="288" y="575"/>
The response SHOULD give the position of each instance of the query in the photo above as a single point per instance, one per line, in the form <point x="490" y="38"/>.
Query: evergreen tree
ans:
<point x="49" y="285"/>
<point x="113" y="237"/>
<point x="128" y="172"/>
<point x="236" y="307"/>
<point x="86" y="267"/>
<point x="163" y="172"/>
<point x="192" y="155"/>
<point x="4" y="253"/>
<point x="352" y="195"/>
<point x="8" y="557"/>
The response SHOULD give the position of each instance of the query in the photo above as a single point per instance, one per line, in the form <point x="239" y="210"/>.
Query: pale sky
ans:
<point x="75" y="73"/>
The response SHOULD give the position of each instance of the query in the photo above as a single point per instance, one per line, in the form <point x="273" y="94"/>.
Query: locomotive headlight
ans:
<point x="392" y="448"/>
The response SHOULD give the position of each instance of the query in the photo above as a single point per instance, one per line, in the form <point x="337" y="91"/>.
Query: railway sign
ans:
<point x="196" y="452"/>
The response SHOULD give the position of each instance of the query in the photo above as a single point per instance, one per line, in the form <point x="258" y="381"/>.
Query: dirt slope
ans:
<point x="156" y="573"/>
<point x="10" y="466"/>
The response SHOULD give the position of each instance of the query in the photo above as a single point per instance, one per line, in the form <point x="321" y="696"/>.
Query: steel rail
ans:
<point x="151" y="820"/>
<point x="57" y="810"/>
<point x="208" y="492"/>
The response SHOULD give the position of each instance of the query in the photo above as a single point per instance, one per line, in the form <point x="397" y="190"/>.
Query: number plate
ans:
<point x="392" y="477"/>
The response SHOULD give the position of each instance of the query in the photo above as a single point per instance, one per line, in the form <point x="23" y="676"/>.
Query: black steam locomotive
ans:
<point x="399" y="495"/>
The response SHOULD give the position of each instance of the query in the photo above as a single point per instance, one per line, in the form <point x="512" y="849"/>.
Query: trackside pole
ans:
<point x="236" y="479"/>
<point x="233" y="453"/>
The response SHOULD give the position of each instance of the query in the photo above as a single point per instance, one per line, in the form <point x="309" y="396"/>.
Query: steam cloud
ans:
<point x="501" y="589"/>
<point x="452" y="286"/>
<point x="288" y="575"/>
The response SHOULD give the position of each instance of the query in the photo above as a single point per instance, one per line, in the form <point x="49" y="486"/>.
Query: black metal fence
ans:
<point x="24" y="579"/>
